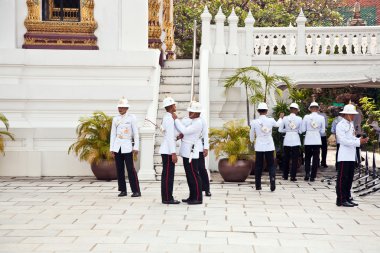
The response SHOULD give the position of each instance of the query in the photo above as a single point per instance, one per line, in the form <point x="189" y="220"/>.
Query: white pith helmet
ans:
<point x="194" y="107"/>
<point x="262" y="106"/>
<point x="123" y="102"/>
<point x="313" y="104"/>
<point x="349" y="109"/>
<point x="168" y="101"/>
<point x="294" y="105"/>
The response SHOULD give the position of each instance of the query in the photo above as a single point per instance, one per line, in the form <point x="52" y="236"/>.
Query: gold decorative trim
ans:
<point x="39" y="28"/>
<point x="154" y="24"/>
<point x="169" y="29"/>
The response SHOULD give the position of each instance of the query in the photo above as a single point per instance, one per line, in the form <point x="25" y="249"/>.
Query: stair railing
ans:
<point x="193" y="60"/>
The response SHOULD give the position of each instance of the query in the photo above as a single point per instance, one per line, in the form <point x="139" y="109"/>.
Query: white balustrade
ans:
<point x="300" y="40"/>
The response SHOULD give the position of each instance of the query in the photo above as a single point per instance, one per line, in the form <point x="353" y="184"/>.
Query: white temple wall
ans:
<point x="43" y="93"/>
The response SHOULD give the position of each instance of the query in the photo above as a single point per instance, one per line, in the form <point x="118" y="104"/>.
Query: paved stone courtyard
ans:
<point x="85" y="215"/>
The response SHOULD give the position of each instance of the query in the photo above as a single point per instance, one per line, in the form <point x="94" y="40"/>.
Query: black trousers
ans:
<point x="203" y="173"/>
<point x="167" y="177"/>
<point x="324" y="150"/>
<point x="312" y="151"/>
<point x="269" y="159"/>
<point x="290" y="154"/>
<point x="336" y="156"/>
<point x="193" y="179"/>
<point x="344" y="180"/>
<point x="127" y="158"/>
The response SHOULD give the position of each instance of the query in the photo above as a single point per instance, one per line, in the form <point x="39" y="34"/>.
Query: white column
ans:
<point x="146" y="171"/>
<point x="233" y="48"/>
<point x="206" y="29"/>
<point x="301" y="33"/>
<point x="220" y="45"/>
<point x="8" y="23"/>
<point x="134" y="25"/>
<point x="249" y="22"/>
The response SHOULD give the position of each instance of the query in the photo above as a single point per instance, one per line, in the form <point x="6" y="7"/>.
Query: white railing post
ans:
<point x="220" y="47"/>
<point x="232" y="45"/>
<point x="301" y="33"/>
<point x="249" y="22"/>
<point x="206" y="29"/>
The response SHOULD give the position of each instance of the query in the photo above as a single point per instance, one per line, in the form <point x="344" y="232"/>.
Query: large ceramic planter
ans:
<point x="104" y="170"/>
<point x="237" y="172"/>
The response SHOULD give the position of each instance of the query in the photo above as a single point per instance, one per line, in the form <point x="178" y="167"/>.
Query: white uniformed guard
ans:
<point x="124" y="130"/>
<point x="292" y="126"/>
<point x="168" y="152"/>
<point x="345" y="132"/>
<point x="333" y="131"/>
<point x="261" y="131"/>
<point x="324" y="142"/>
<point x="314" y="125"/>
<point x="190" y="152"/>
<point x="203" y="147"/>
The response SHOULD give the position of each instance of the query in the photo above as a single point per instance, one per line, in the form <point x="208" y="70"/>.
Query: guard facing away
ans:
<point x="168" y="152"/>
<point x="345" y="132"/>
<point x="203" y="147"/>
<point x="292" y="126"/>
<point x="314" y="125"/>
<point x="124" y="129"/>
<point x="324" y="142"/>
<point x="261" y="131"/>
<point x="189" y="152"/>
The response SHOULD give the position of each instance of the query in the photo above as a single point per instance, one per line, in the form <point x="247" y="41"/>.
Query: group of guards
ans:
<point x="193" y="133"/>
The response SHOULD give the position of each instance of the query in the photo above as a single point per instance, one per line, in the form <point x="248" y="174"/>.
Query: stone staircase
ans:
<point x="175" y="82"/>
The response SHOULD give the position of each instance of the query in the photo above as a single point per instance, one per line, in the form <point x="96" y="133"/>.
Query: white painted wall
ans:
<point x="45" y="92"/>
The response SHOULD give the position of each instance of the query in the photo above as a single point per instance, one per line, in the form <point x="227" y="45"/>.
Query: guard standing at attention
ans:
<point x="345" y="132"/>
<point x="292" y="126"/>
<point x="314" y="125"/>
<point x="261" y="131"/>
<point x="124" y="130"/>
<point x="168" y="152"/>
<point x="189" y="151"/>
<point x="203" y="147"/>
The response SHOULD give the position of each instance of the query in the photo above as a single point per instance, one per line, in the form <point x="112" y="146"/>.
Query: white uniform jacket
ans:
<point x="168" y="145"/>
<point x="124" y="128"/>
<point x="292" y="126"/>
<point x="345" y="133"/>
<point x="261" y="128"/>
<point x="191" y="135"/>
<point x="203" y="143"/>
<point x="314" y="126"/>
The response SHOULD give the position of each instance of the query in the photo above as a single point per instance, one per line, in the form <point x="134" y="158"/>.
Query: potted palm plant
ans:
<point x="93" y="145"/>
<point x="232" y="143"/>
<point x="4" y="133"/>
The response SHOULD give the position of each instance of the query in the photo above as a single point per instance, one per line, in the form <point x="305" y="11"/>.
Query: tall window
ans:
<point x="61" y="10"/>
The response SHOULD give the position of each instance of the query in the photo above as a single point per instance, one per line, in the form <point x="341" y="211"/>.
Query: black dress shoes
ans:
<point x="284" y="178"/>
<point x="306" y="178"/>
<point x="325" y="166"/>
<point x="347" y="204"/>
<point x="312" y="179"/>
<point x="293" y="179"/>
<point x="194" y="202"/>
<point x="208" y="193"/>
<point x="258" y="188"/>
<point x="185" y="200"/>
<point x="136" y="194"/>
<point x="122" y="194"/>
<point x="171" y="202"/>
<point x="353" y="203"/>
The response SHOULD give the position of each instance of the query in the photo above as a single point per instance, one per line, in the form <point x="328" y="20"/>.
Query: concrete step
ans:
<point x="178" y="72"/>
<point x="181" y="64"/>
<point x="177" y="88"/>
<point x="178" y="80"/>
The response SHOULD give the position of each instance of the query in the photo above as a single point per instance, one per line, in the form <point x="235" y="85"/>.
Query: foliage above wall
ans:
<point x="266" y="13"/>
